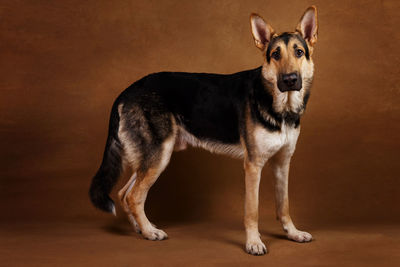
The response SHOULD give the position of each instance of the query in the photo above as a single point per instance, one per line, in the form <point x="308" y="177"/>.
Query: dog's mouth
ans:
<point x="288" y="89"/>
<point x="289" y="82"/>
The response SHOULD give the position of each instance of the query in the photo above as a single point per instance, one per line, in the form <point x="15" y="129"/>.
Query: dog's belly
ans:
<point x="267" y="143"/>
<point x="184" y="138"/>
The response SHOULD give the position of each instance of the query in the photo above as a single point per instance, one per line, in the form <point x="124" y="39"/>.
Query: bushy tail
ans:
<point x="110" y="169"/>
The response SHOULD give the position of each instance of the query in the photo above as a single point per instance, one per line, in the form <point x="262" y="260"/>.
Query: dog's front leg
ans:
<point x="254" y="245"/>
<point x="280" y="167"/>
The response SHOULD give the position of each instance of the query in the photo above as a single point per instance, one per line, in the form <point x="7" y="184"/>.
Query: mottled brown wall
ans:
<point x="63" y="62"/>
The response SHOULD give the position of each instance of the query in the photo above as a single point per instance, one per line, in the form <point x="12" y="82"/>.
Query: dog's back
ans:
<point x="206" y="105"/>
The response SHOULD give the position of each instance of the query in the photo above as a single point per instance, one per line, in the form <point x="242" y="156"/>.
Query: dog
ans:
<point x="253" y="115"/>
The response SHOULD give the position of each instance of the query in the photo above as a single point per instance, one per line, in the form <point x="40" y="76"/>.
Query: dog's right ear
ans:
<point x="261" y="30"/>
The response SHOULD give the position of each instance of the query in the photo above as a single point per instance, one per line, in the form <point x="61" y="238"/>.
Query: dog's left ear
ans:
<point x="308" y="25"/>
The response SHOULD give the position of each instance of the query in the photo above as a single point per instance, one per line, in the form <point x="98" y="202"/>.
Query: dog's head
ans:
<point x="288" y="65"/>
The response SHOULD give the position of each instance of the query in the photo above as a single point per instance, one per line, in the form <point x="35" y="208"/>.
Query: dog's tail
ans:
<point x="110" y="168"/>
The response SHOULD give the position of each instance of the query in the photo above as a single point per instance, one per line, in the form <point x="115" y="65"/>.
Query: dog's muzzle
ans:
<point x="289" y="82"/>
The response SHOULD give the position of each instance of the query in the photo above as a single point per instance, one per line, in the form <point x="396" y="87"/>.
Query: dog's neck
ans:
<point x="273" y="108"/>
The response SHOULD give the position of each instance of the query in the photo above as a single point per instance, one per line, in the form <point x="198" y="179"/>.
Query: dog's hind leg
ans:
<point x="122" y="195"/>
<point x="123" y="198"/>
<point x="280" y="166"/>
<point x="145" y="179"/>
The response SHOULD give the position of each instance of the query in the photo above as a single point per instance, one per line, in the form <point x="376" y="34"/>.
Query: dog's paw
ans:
<point x="300" y="236"/>
<point x="256" y="248"/>
<point x="154" y="234"/>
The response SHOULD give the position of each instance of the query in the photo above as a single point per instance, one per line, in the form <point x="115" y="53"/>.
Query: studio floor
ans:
<point x="85" y="242"/>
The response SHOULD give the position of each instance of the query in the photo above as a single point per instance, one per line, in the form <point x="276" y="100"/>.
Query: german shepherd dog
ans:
<point x="253" y="115"/>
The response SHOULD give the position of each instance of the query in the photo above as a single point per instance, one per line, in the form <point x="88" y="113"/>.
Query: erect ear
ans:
<point x="308" y="25"/>
<point x="261" y="30"/>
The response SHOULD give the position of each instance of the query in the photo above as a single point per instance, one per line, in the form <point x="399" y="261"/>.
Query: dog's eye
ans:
<point x="276" y="55"/>
<point x="299" y="53"/>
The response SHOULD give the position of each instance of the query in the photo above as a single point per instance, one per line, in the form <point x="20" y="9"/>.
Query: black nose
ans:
<point x="290" y="79"/>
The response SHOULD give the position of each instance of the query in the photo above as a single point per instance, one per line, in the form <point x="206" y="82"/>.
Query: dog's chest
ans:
<point x="268" y="143"/>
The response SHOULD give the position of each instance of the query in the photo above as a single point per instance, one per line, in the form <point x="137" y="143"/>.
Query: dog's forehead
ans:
<point x="285" y="38"/>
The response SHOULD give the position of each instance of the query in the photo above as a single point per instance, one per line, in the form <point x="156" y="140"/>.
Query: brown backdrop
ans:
<point x="64" y="62"/>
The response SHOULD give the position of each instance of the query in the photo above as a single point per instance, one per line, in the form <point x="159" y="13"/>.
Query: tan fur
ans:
<point x="253" y="164"/>
<point x="122" y="195"/>
<point x="280" y="166"/>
